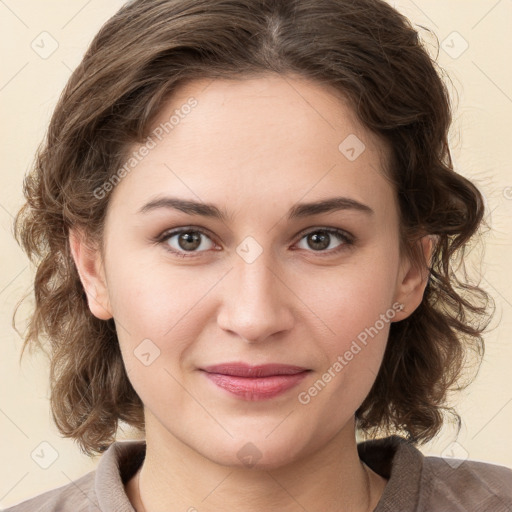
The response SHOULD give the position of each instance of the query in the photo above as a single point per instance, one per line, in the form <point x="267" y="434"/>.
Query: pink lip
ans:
<point x="246" y="370"/>
<point x="255" y="382"/>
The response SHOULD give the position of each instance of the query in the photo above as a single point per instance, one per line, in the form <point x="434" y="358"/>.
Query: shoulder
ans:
<point x="466" y="485"/>
<point x="101" y="489"/>
<point x="422" y="483"/>
<point x="78" y="496"/>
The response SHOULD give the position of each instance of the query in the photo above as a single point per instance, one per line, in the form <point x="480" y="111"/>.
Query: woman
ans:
<point x="246" y="221"/>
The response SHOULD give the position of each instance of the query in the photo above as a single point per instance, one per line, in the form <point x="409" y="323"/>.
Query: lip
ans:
<point x="239" y="369"/>
<point x="254" y="383"/>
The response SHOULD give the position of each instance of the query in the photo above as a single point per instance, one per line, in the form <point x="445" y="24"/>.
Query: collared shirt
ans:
<point x="416" y="483"/>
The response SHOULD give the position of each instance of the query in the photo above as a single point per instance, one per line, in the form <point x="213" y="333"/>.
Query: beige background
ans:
<point x="481" y="144"/>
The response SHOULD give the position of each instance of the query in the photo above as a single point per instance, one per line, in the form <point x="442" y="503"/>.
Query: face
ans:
<point x="257" y="276"/>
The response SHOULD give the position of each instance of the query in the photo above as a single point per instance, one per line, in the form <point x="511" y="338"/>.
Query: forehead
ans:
<point x="300" y="109"/>
<point x="273" y="136"/>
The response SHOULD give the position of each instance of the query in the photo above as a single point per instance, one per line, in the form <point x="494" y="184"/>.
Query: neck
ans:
<point x="175" y="477"/>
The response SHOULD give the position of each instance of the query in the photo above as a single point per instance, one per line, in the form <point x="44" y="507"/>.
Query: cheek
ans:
<point x="354" y="309"/>
<point x="348" y="299"/>
<point x="355" y="315"/>
<point x="153" y="305"/>
<point x="156" y="314"/>
<point x="151" y="299"/>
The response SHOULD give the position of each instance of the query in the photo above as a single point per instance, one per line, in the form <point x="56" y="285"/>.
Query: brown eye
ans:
<point x="189" y="241"/>
<point x="184" y="241"/>
<point x="320" y="240"/>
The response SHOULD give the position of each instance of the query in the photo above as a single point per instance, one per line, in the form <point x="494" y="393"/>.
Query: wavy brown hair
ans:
<point x="364" y="49"/>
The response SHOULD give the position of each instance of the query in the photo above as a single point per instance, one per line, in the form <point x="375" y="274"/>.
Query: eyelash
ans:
<point x="348" y="240"/>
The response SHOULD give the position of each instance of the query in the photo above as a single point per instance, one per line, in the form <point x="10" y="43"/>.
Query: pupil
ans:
<point x="322" y="239"/>
<point x="190" y="241"/>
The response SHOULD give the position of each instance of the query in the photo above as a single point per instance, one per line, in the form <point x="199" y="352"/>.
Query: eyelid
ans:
<point x="169" y="233"/>
<point x="347" y="238"/>
<point x="338" y="231"/>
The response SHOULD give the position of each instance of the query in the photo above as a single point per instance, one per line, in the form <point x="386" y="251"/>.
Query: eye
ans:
<point x="320" y="239"/>
<point x="186" y="240"/>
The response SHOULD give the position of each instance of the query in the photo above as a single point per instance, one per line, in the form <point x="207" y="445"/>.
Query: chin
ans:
<point x="258" y="454"/>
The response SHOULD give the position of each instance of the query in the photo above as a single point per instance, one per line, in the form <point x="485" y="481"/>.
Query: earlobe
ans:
<point x="413" y="279"/>
<point x="89" y="265"/>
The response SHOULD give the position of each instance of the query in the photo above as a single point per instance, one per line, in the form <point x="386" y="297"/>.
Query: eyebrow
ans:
<point x="300" y="210"/>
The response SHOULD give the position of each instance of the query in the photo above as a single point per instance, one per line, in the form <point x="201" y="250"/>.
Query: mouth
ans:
<point x="254" y="383"/>
<point x="238" y="369"/>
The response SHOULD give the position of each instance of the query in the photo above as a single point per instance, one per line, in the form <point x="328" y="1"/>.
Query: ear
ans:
<point x="412" y="279"/>
<point x="90" y="268"/>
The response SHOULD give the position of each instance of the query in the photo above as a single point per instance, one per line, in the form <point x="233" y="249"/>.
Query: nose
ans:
<point x="256" y="301"/>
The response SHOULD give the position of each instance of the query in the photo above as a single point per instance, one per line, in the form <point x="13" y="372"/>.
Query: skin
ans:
<point x="254" y="148"/>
